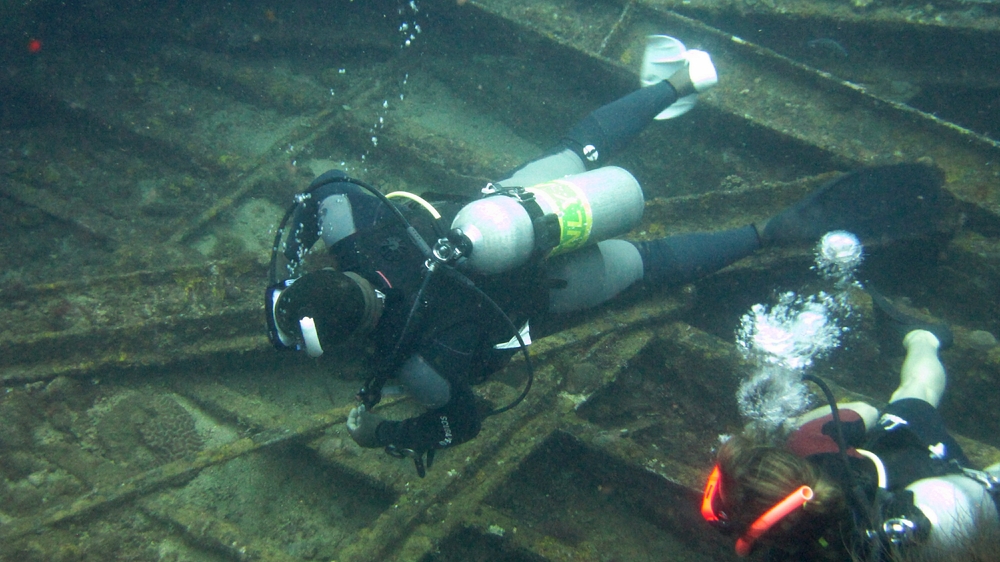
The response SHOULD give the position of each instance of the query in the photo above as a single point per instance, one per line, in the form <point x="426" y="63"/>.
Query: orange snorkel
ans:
<point x="795" y="500"/>
<point x="713" y="489"/>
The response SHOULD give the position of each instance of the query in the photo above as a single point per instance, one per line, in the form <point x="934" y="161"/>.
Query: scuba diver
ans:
<point x="850" y="483"/>
<point x="444" y="291"/>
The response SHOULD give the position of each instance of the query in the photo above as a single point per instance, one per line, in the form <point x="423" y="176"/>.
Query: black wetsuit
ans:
<point x="454" y="329"/>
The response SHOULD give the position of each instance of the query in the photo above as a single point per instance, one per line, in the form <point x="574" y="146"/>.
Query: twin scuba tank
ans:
<point x="503" y="230"/>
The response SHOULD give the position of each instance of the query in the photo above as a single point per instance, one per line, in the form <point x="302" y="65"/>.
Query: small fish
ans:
<point x="827" y="47"/>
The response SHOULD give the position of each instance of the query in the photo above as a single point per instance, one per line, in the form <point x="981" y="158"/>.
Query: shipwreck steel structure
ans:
<point x="147" y="149"/>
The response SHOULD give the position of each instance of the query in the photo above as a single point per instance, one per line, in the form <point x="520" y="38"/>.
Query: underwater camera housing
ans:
<point x="318" y="218"/>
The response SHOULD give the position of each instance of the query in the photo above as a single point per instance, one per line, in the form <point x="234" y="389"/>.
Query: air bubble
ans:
<point x="838" y="255"/>
<point x="783" y="341"/>
<point x="793" y="332"/>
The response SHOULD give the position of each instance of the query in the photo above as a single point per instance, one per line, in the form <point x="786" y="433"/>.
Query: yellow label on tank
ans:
<point x="572" y="207"/>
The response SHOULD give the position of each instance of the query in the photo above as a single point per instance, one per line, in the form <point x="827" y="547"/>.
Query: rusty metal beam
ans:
<point x="957" y="16"/>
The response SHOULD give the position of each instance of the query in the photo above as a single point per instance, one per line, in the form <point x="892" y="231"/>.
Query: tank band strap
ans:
<point x="546" y="227"/>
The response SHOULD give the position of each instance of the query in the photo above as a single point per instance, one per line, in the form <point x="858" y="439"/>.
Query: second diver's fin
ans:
<point x="900" y="323"/>
<point x="876" y="204"/>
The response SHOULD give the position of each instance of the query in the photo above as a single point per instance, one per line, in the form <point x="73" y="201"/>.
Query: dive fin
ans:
<point x="898" y="322"/>
<point x="881" y="203"/>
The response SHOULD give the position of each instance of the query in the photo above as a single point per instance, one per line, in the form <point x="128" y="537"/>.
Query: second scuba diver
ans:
<point x="850" y="483"/>
<point x="445" y="291"/>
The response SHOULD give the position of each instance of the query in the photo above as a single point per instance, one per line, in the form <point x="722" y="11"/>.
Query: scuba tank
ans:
<point x="503" y="230"/>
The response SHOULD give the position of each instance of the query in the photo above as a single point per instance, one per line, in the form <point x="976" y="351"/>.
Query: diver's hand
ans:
<point x="362" y="426"/>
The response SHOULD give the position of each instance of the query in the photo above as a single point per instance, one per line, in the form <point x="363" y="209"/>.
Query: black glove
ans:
<point x="417" y="456"/>
<point x="363" y="427"/>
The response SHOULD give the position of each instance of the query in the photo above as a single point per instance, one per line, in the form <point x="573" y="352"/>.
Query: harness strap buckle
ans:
<point x="990" y="482"/>
<point x="899" y="530"/>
